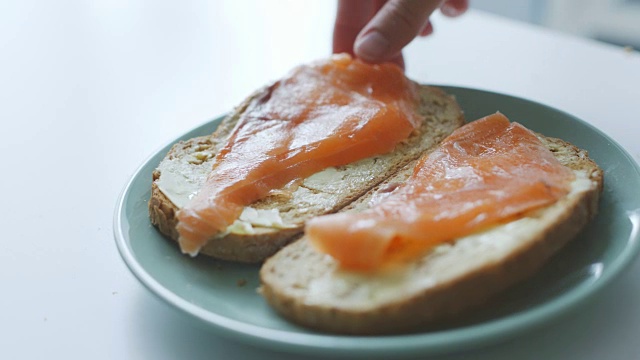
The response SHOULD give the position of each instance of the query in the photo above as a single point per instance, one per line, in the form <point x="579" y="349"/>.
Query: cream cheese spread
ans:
<point x="180" y="180"/>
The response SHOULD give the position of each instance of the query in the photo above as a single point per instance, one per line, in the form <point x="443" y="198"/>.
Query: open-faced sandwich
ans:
<point x="411" y="217"/>
<point x="308" y="145"/>
<point x="484" y="210"/>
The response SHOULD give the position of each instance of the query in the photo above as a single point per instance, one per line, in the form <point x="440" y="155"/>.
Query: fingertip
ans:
<point x="372" y="47"/>
<point x="351" y="17"/>
<point x="449" y="11"/>
<point x="342" y="43"/>
<point x="394" y="26"/>
<point x="453" y="8"/>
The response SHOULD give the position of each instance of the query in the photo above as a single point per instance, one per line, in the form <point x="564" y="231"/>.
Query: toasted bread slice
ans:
<point x="309" y="289"/>
<point x="277" y="220"/>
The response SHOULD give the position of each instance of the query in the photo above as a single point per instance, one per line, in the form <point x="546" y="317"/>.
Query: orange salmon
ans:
<point x="329" y="113"/>
<point x="487" y="172"/>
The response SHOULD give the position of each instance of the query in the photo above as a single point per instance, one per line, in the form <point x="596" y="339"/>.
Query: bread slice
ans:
<point x="309" y="289"/>
<point x="275" y="221"/>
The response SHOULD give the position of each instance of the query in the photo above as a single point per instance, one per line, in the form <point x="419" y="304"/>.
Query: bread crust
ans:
<point x="288" y="291"/>
<point x="439" y="111"/>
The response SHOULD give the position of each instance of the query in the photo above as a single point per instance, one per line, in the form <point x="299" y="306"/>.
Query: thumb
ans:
<point x="394" y="26"/>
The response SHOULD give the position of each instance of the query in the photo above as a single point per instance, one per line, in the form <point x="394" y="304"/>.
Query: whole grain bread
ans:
<point x="310" y="289"/>
<point x="440" y="115"/>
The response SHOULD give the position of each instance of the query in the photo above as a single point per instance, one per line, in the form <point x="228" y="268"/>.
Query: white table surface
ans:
<point x="89" y="89"/>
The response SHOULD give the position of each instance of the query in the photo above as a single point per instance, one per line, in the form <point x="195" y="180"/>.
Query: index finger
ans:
<point x="352" y="16"/>
<point x="393" y="27"/>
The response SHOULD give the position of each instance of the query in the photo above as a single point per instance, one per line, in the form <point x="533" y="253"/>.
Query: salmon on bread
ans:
<point x="305" y="146"/>
<point x="483" y="211"/>
<point x="486" y="173"/>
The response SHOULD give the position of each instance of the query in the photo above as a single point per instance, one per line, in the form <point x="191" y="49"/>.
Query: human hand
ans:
<point x="377" y="30"/>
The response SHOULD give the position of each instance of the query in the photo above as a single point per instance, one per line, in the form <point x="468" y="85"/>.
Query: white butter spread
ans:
<point x="180" y="180"/>
<point x="251" y="218"/>
<point x="262" y="217"/>
<point x="182" y="177"/>
<point x="322" y="178"/>
<point x="340" y="180"/>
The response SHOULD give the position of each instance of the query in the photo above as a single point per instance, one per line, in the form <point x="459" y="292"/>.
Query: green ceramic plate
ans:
<point x="209" y="291"/>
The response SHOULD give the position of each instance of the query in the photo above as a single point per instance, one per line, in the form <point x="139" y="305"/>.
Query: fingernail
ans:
<point x="373" y="46"/>
<point x="449" y="10"/>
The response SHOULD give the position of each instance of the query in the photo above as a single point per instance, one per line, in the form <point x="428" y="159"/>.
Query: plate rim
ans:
<point x="432" y="343"/>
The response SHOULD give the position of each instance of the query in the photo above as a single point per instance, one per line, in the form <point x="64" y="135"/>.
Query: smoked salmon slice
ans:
<point x="328" y="113"/>
<point x="487" y="172"/>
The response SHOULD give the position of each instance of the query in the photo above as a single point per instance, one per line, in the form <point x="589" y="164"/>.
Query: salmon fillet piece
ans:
<point x="487" y="172"/>
<point x="329" y="113"/>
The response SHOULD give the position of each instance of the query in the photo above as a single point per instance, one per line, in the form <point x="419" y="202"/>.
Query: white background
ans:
<point x="88" y="90"/>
